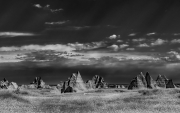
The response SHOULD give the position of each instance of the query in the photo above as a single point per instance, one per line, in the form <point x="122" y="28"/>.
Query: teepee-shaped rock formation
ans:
<point x="98" y="82"/>
<point x="163" y="82"/>
<point x="74" y="84"/>
<point x="150" y="82"/>
<point x="37" y="83"/>
<point x="147" y="82"/>
<point x="140" y="82"/>
<point x="170" y="84"/>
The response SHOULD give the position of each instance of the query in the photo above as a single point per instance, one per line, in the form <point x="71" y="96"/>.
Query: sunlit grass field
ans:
<point x="97" y="101"/>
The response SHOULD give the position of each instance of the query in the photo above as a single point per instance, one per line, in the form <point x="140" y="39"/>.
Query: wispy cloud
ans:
<point x="138" y="40"/>
<point x="176" y="34"/>
<point x="55" y="47"/>
<point x="143" y="45"/>
<point x="57" y="23"/>
<point x="123" y="46"/>
<point x="175" y="41"/>
<point x="158" y="42"/>
<point x="91" y="45"/>
<point x="149" y="34"/>
<point x="14" y="34"/>
<point x="119" y="40"/>
<point x="130" y="49"/>
<point x="132" y="34"/>
<point x="47" y="7"/>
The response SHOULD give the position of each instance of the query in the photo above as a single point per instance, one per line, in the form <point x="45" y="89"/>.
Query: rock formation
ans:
<point x="12" y="86"/>
<point x="170" y="84"/>
<point x="74" y="84"/>
<point x="150" y="82"/>
<point x="60" y="85"/>
<point x="147" y="82"/>
<point x="89" y="84"/>
<point x="133" y="84"/>
<point x="98" y="82"/>
<point x="37" y="83"/>
<point x="140" y="82"/>
<point x="163" y="82"/>
<point x="4" y="84"/>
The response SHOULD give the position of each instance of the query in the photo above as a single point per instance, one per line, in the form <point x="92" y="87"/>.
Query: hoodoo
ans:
<point x="147" y="82"/>
<point x="74" y="84"/>
<point x="140" y="82"/>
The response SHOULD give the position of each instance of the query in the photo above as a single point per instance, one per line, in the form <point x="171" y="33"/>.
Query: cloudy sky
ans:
<point x="116" y="39"/>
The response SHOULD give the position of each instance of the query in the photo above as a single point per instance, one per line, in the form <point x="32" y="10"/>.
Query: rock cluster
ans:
<point x="147" y="81"/>
<point x="37" y="83"/>
<point x="4" y="84"/>
<point x="96" y="82"/>
<point x="74" y="84"/>
<point x="141" y="81"/>
<point x="163" y="82"/>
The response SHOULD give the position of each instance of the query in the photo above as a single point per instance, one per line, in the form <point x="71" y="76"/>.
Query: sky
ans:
<point x="116" y="39"/>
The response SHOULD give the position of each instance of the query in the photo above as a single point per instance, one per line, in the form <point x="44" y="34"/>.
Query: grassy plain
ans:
<point x="97" y="101"/>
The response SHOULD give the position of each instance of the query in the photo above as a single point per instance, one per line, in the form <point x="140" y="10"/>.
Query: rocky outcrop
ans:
<point x="98" y="82"/>
<point x="12" y="86"/>
<point x="170" y="84"/>
<point x="89" y="84"/>
<point x="142" y="81"/>
<point x="4" y="84"/>
<point x="60" y="85"/>
<point x="37" y="83"/>
<point x="133" y="84"/>
<point x="150" y="82"/>
<point x="74" y="84"/>
<point x="147" y="82"/>
<point x="163" y="82"/>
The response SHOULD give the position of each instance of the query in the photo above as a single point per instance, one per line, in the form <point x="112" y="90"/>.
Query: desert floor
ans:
<point x="97" y="101"/>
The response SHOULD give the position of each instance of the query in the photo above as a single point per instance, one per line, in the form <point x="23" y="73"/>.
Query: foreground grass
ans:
<point x="98" y="101"/>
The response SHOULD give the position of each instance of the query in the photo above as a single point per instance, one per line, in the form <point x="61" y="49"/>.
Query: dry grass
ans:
<point x="98" y="101"/>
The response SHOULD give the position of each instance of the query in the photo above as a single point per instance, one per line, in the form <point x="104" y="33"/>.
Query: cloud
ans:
<point x="57" y="23"/>
<point x="174" y="55"/>
<point x="56" y="10"/>
<point x="175" y="41"/>
<point x="132" y="34"/>
<point x="138" y="40"/>
<point x="47" y="7"/>
<point x="114" y="36"/>
<point x="55" y="47"/>
<point x="176" y="34"/>
<point x="130" y="49"/>
<point x="123" y="46"/>
<point x="119" y="40"/>
<point x="143" y="45"/>
<point x="14" y="34"/>
<point x="37" y="5"/>
<point x="83" y="46"/>
<point x="149" y="34"/>
<point x="114" y="47"/>
<point x="158" y="42"/>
